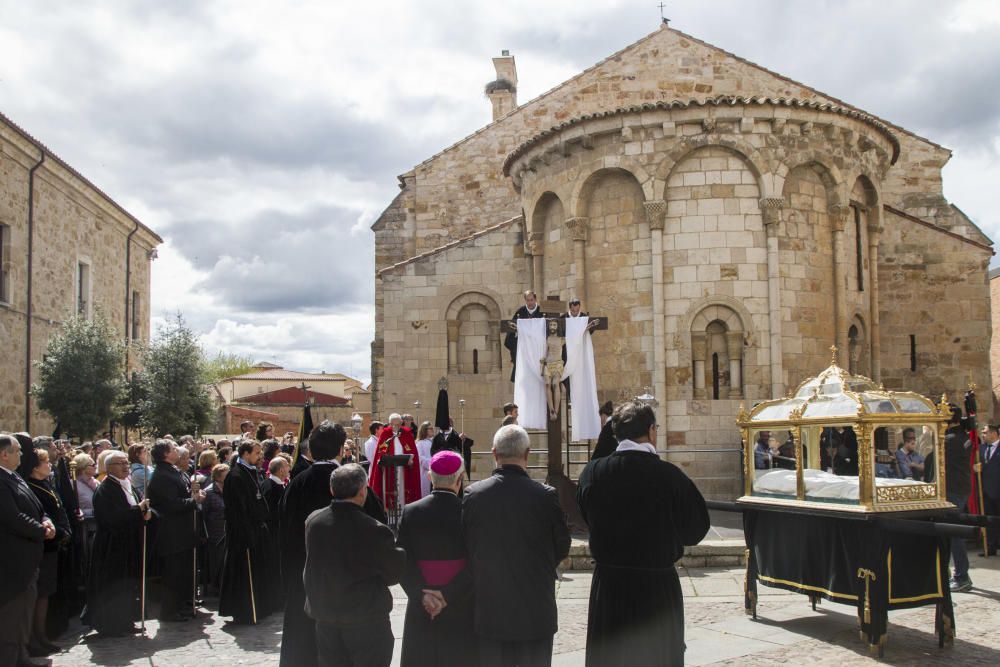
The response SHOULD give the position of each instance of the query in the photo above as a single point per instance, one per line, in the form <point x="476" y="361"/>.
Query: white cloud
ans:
<point x="261" y="139"/>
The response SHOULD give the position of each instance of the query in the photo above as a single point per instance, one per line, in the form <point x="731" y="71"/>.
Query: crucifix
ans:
<point x="305" y="392"/>
<point x="551" y="371"/>
<point x="662" y="17"/>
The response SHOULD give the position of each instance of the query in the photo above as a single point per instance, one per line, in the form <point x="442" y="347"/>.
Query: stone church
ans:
<point x="732" y="224"/>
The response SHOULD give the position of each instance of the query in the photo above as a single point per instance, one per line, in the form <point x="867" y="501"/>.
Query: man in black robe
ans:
<point x="636" y="614"/>
<point x="248" y="593"/>
<point x="447" y="440"/>
<point x="305" y="494"/>
<point x="174" y="504"/>
<point x="438" y="627"/>
<point x="529" y="309"/>
<point x="116" y="560"/>
<point x="303" y="460"/>
<point x="606" y="443"/>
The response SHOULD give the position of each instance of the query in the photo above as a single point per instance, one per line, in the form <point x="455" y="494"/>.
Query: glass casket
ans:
<point x="833" y="445"/>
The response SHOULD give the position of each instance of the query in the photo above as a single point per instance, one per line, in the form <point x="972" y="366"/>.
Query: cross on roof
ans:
<point x="662" y="17"/>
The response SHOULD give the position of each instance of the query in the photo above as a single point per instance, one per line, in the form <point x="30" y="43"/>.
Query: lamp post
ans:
<point x="461" y="404"/>
<point x="416" y="414"/>
<point x="646" y="398"/>
<point x="356" y="422"/>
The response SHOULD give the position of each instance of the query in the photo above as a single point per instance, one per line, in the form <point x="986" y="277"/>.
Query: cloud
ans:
<point x="261" y="139"/>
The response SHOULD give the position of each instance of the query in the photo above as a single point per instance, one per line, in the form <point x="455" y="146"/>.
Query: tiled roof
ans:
<point x="291" y="396"/>
<point x="284" y="374"/>
<point x="721" y="101"/>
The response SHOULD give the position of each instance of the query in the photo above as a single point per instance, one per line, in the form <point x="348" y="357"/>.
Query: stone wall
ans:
<point x="73" y="223"/>
<point x="994" y="340"/>
<point x="933" y="286"/>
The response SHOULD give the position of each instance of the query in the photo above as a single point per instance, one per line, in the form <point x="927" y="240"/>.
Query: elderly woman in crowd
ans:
<point x="213" y="510"/>
<point x="84" y="488"/>
<point x="35" y="468"/>
<point x="206" y="461"/>
<point x="116" y="562"/>
<point x="139" y="468"/>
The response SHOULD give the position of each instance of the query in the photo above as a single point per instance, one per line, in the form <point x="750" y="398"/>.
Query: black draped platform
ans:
<point x="849" y="560"/>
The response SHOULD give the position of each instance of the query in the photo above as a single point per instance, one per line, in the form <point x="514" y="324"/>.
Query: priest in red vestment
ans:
<point x="393" y="439"/>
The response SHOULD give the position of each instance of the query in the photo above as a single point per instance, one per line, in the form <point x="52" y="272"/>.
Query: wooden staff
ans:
<point x="194" y="551"/>
<point x="142" y="584"/>
<point x="253" y="602"/>
<point x="982" y="507"/>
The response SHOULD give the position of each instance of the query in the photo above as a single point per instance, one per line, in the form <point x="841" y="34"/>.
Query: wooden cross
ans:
<point x="305" y="392"/>
<point x="557" y="477"/>
<point x="662" y="17"/>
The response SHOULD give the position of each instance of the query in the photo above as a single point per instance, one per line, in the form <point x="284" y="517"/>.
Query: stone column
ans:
<point x="734" y="346"/>
<point x="770" y="209"/>
<point x="453" y="328"/>
<point x="536" y="246"/>
<point x="699" y="348"/>
<point x="656" y="212"/>
<point x="579" y="227"/>
<point x="838" y="220"/>
<point x="875" y="335"/>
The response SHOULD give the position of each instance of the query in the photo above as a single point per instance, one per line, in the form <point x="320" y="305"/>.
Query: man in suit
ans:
<point x="351" y="560"/>
<point x="529" y="309"/>
<point x="989" y="467"/>
<point x="172" y="499"/>
<point x="23" y="531"/>
<point x="447" y="440"/>
<point x="515" y="535"/>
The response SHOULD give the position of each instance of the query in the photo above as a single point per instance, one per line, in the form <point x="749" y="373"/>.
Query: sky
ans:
<point x="262" y="139"/>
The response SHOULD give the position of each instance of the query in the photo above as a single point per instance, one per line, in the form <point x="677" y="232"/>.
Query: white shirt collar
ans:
<point x="630" y="446"/>
<point x="531" y="311"/>
<point x="276" y="480"/>
<point x="126" y="486"/>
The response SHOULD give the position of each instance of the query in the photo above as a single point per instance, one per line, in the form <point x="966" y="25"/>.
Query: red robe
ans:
<point x="411" y="474"/>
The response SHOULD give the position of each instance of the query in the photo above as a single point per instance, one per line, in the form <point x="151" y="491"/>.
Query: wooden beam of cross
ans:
<point x="305" y="392"/>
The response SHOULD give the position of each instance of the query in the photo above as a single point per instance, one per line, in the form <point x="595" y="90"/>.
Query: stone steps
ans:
<point x="710" y="553"/>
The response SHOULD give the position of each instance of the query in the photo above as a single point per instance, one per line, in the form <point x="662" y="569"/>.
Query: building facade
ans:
<point x="732" y="224"/>
<point x="65" y="248"/>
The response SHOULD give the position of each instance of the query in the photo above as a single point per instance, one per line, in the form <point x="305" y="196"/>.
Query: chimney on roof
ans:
<point x="502" y="91"/>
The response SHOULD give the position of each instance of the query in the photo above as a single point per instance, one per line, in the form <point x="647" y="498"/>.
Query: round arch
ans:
<point x="755" y="160"/>
<point x="609" y="164"/>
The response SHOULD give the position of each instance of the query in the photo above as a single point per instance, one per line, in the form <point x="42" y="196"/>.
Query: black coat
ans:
<point x="516" y="535"/>
<point x="169" y="494"/>
<point x="956" y="458"/>
<point x="636" y="613"/>
<point x="450" y="442"/>
<point x="990" y="472"/>
<point x="606" y="442"/>
<point x="430" y="531"/>
<point x="301" y="465"/>
<point x="248" y="590"/>
<point x="115" y="562"/>
<point x="351" y="560"/>
<point x="510" y="340"/>
<point x="22" y="535"/>
<point x="52" y="508"/>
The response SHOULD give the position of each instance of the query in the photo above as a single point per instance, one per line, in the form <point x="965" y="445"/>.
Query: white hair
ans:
<point x="113" y="455"/>
<point x="443" y="481"/>
<point x="394" y="416"/>
<point x="511" y="442"/>
<point x="183" y="454"/>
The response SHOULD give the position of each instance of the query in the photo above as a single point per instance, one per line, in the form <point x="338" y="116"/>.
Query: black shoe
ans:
<point x="25" y="661"/>
<point x="40" y="651"/>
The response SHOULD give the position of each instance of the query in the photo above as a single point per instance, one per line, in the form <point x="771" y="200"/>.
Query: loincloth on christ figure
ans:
<point x="552" y="370"/>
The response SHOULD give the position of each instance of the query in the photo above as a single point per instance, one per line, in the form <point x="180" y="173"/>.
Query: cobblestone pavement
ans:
<point x="718" y="633"/>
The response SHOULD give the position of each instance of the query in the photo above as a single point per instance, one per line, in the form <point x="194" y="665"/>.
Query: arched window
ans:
<point x="852" y="350"/>
<point x="474" y="335"/>
<point x="857" y="347"/>
<point x="717" y="354"/>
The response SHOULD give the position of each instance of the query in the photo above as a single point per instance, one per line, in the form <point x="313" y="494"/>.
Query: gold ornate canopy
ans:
<point x="836" y="398"/>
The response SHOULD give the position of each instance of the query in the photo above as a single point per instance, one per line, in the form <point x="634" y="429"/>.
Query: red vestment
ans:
<point x="411" y="474"/>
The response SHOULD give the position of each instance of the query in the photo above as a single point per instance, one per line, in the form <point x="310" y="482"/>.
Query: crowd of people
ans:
<point x="117" y="537"/>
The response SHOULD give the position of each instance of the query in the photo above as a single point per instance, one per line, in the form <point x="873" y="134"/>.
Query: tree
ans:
<point x="176" y="398"/>
<point x="80" y="378"/>
<point x="226" y="365"/>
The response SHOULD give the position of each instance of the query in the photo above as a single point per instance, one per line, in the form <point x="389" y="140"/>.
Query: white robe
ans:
<point x="586" y="419"/>
<point x="529" y="387"/>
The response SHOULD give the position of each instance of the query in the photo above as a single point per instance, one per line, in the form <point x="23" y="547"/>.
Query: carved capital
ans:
<point x="578" y="227"/>
<point x="656" y="212"/>
<point x="838" y="216"/>
<point x="536" y="243"/>
<point x="699" y="346"/>
<point x="770" y="210"/>
<point x="453" y="329"/>
<point x="734" y="344"/>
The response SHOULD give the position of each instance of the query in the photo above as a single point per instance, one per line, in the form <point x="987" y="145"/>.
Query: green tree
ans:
<point x="80" y="378"/>
<point x="176" y="398"/>
<point x="226" y="365"/>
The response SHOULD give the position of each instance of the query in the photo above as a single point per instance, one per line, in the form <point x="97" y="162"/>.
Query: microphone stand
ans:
<point x="195" y="487"/>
